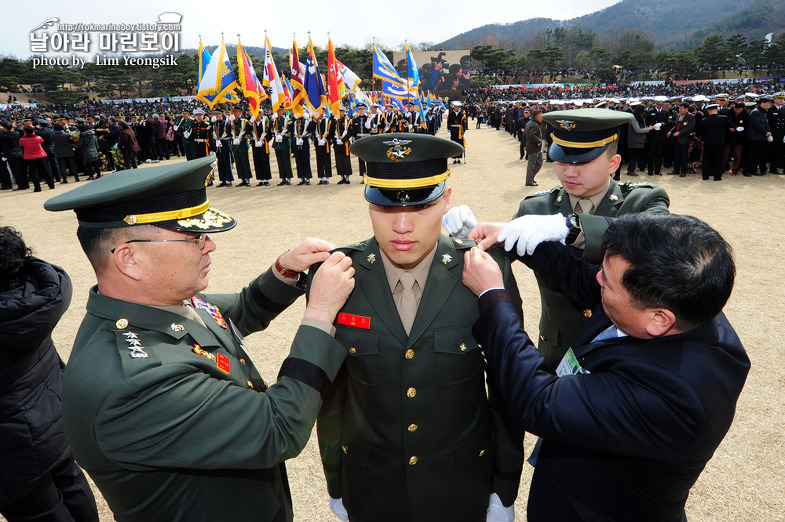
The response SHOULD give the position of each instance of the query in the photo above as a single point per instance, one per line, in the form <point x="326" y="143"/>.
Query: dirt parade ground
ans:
<point x="745" y="479"/>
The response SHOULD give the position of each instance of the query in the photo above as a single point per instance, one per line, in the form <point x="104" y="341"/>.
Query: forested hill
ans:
<point x="671" y="24"/>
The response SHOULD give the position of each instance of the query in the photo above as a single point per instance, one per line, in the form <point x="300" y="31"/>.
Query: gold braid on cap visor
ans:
<point x="584" y="145"/>
<point x="156" y="217"/>
<point x="384" y="183"/>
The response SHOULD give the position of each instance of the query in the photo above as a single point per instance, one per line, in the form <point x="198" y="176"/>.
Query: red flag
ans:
<point x="298" y="79"/>
<point x="249" y="84"/>
<point x="335" y="85"/>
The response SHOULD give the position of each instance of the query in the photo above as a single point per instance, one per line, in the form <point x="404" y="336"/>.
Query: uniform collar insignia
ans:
<point x="446" y="258"/>
<point x="137" y="350"/>
<point x="371" y="258"/>
<point x="176" y="327"/>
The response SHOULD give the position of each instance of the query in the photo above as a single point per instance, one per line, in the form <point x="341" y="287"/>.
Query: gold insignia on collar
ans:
<point x="459" y="241"/>
<point x="176" y="327"/>
<point x="371" y="258"/>
<point x="446" y="258"/>
<point x="121" y="324"/>
<point x="397" y="151"/>
<point x="558" y="200"/>
<point x="614" y="197"/>
<point x="566" y="124"/>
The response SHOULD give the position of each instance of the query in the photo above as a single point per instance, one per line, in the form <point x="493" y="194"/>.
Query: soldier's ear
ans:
<point x="125" y="262"/>
<point x="447" y="193"/>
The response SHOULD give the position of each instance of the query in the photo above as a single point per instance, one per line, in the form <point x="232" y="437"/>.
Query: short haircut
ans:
<point x="13" y="256"/>
<point x="686" y="105"/>
<point x="676" y="262"/>
<point x="97" y="243"/>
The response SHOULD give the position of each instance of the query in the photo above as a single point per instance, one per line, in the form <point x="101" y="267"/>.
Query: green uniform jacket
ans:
<point x="562" y="318"/>
<point x="407" y="432"/>
<point x="173" y="436"/>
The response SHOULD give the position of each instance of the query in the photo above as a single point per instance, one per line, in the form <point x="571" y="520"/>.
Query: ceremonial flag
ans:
<point x="350" y="79"/>
<point x="362" y="97"/>
<point x="271" y="78"/>
<point x="204" y="59"/>
<point x="394" y="90"/>
<point x="249" y="84"/>
<point x="218" y="82"/>
<point x="414" y="73"/>
<point x="297" y="82"/>
<point x="287" y="91"/>
<point x="315" y="93"/>
<point x="336" y="89"/>
<point x="383" y="69"/>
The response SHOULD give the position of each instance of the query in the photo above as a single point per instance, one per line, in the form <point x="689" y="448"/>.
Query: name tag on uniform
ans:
<point x="569" y="365"/>
<point x="357" y="321"/>
<point x="222" y="362"/>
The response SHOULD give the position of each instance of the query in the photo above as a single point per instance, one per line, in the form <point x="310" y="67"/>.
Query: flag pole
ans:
<point x="373" y="76"/>
<point x="406" y="43"/>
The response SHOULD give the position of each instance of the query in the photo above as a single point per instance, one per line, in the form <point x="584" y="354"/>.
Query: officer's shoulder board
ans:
<point x="628" y="186"/>
<point x="349" y="249"/>
<point x="463" y="244"/>
<point x="542" y="193"/>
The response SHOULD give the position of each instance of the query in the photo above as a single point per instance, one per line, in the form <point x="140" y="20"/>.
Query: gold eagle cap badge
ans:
<point x="566" y="124"/>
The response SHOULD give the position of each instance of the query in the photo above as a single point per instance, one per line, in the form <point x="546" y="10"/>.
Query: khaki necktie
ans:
<point x="407" y="308"/>
<point x="584" y="206"/>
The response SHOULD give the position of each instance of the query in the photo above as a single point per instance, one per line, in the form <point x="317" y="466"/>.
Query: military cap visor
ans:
<point x="582" y="135"/>
<point x="405" y="169"/>
<point x="169" y="196"/>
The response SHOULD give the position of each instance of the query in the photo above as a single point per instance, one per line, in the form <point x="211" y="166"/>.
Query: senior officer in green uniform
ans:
<point x="161" y="403"/>
<point x="584" y="151"/>
<point x="407" y="432"/>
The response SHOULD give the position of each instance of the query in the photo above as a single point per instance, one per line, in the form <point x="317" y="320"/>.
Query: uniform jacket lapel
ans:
<point x="610" y="204"/>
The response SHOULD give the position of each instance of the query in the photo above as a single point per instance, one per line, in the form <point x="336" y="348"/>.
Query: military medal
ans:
<point x="137" y="350"/>
<point x="213" y="310"/>
<point x="198" y="350"/>
<point x="357" y="321"/>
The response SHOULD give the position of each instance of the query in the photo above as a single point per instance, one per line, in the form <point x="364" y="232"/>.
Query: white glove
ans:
<point x="658" y="126"/>
<point x="769" y="138"/>
<point x="259" y="143"/>
<point x="279" y="139"/>
<point x="218" y="143"/>
<point x="459" y="221"/>
<point x="531" y="230"/>
<point x="497" y="512"/>
<point x="783" y="139"/>
<point x="411" y="127"/>
<point x="213" y="119"/>
<point x="299" y="141"/>
<point x="338" y="141"/>
<point x="253" y="119"/>
<point x="187" y="134"/>
<point x="236" y="141"/>
<point x="230" y="118"/>
<point x="336" y="505"/>
<point x="322" y="141"/>
<point x="739" y="129"/>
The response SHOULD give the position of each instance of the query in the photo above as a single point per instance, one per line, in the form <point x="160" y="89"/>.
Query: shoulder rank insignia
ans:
<point x="446" y="258"/>
<point x="137" y="350"/>
<point x="213" y="310"/>
<point x="371" y="258"/>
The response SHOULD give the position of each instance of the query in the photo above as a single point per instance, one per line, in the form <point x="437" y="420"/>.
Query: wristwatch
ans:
<point x="573" y="228"/>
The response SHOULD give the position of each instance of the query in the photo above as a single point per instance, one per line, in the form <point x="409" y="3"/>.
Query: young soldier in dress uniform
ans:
<point x="584" y="152"/>
<point x="238" y="128"/>
<point x="409" y="409"/>
<point x="221" y="135"/>
<point x="776" y="116"/>
<point x="411" y="119"/>
<point x="323" y="131"/>
<point x="374" y="124"/>
<point x="303" y="128"/>
<point x="261" y="133"/>
<point x="361" y="127"/>
<point x="181" y="127"/>
<point x="341" y="135"/>
<point x="282" y="136"/>
<point x="162" y="404"/>
<point x="199" y="135"/>
<point x="390" y="119"/>
<point x="456" y="122"/>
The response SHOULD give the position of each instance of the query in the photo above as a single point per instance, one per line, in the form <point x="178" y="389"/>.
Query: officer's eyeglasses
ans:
<point x="199" y="240"/>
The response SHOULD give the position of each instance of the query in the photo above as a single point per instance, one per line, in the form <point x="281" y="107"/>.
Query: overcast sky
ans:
<point x="354" y="23"/>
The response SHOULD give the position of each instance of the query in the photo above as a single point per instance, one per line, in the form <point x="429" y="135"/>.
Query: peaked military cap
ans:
<point x="169" y="196"/>
<point x="405" y="169"/>
<point x="581" y="135"/>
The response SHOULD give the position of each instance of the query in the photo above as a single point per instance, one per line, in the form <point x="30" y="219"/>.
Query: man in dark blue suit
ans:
<point x="648" y="390"/>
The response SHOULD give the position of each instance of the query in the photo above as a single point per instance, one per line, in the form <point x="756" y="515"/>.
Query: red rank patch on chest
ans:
<point x="222" y="362"/>
<point x="357" y="321"/>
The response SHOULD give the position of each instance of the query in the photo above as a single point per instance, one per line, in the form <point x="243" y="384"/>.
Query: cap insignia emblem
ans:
<point x="397" y="151"/>
<point x="566" y="124"/>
